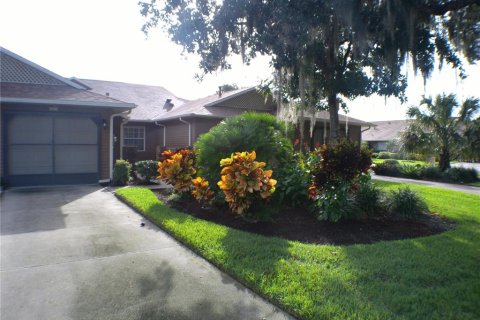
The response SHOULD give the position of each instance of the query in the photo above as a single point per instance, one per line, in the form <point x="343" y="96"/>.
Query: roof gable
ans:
<point x="16" y="69"/>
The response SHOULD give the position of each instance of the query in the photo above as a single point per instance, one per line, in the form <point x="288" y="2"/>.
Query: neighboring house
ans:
<point x="382" y="132"/>
<point x="68" y="131"/>
<point x="53" y="131"/>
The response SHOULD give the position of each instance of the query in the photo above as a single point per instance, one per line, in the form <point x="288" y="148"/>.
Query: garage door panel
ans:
<point x="76" y="159"/>
<point x="30" y="130"/>
<point x="30" y="159"/>
<point x="75" y="131"/>
<point x="51" y="149"/>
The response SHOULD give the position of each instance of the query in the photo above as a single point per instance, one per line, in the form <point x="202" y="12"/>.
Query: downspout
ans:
<point x="123" y="115"/>
<point x="189" y="131"/>
<point x="164" y="132"/>
<point x="124" y="121"/>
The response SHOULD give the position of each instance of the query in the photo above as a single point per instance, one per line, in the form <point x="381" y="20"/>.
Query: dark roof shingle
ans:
<point x="150" y="100"/>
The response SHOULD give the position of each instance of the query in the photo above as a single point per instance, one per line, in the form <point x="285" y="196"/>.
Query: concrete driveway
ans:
<point x="79" y="253"/>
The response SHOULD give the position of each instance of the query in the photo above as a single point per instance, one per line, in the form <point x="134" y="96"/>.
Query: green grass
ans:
<point x="436" y="277"/>
<point x="422" y="163"/>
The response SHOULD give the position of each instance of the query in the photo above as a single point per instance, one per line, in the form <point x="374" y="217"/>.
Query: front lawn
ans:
<point x="435" y="277"/>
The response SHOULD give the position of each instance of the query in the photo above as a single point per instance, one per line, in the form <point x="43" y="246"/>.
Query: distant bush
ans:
<point x="146" y="170"/>
<point x="121" y="172"/>
<point x="462" y="175"/>
<point x="391" y="162"/>
<point x="406" y="203"/>
<point x="249" y="131"/>
<point x="385" y="169"/>
<point x="431" y="173"/>
<point x="411" y="171"/>
<point x="387" y="155"/>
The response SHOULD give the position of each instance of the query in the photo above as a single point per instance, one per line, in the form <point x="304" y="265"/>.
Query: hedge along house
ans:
<point x="53" y="130"/>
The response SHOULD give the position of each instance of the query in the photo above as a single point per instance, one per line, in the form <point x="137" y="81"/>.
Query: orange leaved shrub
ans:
<point x="244" y="181"/>
<point x="201" y="191"/>
<point x="178" y="169"/>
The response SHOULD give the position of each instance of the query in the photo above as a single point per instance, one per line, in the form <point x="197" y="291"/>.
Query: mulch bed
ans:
<point x="301" y="225"/>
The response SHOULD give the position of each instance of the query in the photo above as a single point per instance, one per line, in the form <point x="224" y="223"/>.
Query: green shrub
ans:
<point x="461" y="175"/>
<point x="385" y="169"/>
<point x="432" y="173"/>
<point x="406" y="203"/>
<point x="387" y="155"/>
<point x="335" y="204"/>
<point x="391" y="162"/>
<point x="121" y="172"/>
<point x="260" y="132"/>
<point x="374" y="155"/>
<point x="368" y="198"/>
<point x="411" y="171"/>
<point x="146" y="170"/>
<point x="292" y="184"/>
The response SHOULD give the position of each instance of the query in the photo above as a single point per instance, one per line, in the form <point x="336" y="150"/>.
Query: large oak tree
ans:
<point x="338" y="47"/>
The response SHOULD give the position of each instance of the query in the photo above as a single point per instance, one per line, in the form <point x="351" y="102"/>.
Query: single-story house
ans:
<point x="53" y="131"/>
<point x="382" y="132"/>
<point x="66" y="131"/>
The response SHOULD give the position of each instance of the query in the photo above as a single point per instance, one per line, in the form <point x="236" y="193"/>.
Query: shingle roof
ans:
<point x="60" y="93"/>
<point x="16" y="69"/>
<point x="150" y="100"/>
<point x="211" y="106"/>
<point x="385" y="130"/>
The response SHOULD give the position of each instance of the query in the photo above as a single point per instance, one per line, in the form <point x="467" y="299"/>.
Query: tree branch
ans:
<point x="454" y="5"/>
<point x="347" y="53"/>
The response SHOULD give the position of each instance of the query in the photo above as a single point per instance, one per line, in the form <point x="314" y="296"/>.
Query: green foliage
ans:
<point x="249" y="131"/>
<point x="462" y="175"/>
<point x="406" y="203"/>
<point x="368" y="198"/>
<point x="292" y="184"/>
<point x="387" y="155"/>
<point x="336" y="203"/>
<point x="121" y="172"/>
<point x="146" y="170"/>
<point x="437" y="130"/>
<point x="391" y="162"/>
<point x="411" y="171"/>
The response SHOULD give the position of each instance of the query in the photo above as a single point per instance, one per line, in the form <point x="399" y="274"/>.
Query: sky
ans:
<point x="102" y="39"/>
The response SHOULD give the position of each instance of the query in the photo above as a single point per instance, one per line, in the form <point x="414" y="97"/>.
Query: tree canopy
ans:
<point x="325" y="48"/>
<point x="437" y="129"/>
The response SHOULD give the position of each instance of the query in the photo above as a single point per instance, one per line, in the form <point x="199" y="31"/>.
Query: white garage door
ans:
<point x="43" y="150"/>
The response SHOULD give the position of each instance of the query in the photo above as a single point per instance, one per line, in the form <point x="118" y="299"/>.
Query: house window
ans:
<point x="134" y="137"/>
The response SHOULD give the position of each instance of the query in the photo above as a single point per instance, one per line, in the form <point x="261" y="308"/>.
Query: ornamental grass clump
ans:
<point x="178" y="169"/>
<point x="201" y="191"/>
<point x="244" y="182"/>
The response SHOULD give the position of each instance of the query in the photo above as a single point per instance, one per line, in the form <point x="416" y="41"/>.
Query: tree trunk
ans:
<point x="444" y="161"/>
<point x="334" y="122"/>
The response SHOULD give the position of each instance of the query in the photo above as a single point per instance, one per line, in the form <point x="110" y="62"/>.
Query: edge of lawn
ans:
<point x="223" y="247"/>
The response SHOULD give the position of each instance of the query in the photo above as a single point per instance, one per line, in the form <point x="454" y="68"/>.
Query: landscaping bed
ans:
<point x="300" y="225"/>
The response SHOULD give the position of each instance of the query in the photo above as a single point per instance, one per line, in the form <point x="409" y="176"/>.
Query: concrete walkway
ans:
<point x="79" y="253"/>
<point x="450" y="186"/>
